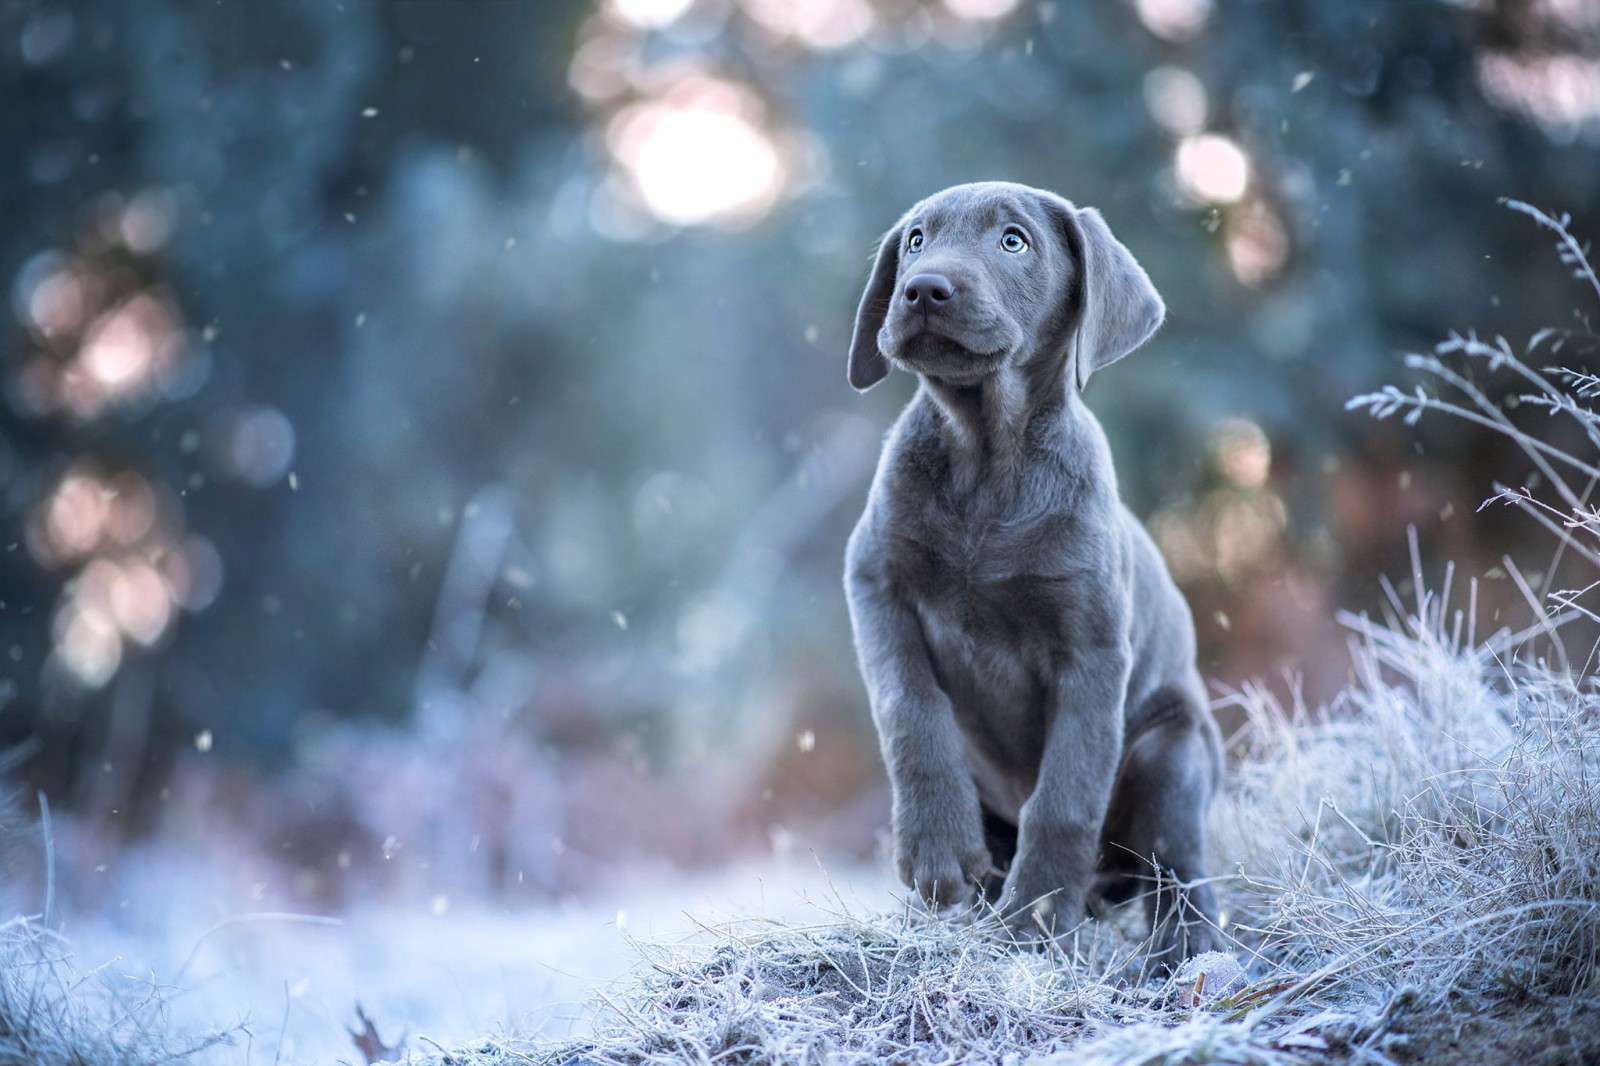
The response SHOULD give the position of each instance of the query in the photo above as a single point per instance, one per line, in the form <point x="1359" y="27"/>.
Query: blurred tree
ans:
<point x="248" y="141"/>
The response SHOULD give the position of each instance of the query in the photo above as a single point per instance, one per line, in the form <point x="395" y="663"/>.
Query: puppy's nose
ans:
<point x="928" y="290"/>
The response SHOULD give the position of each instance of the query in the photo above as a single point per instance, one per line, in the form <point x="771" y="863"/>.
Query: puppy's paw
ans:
<point x="1037" y="911"/>
<point x="1037" y="917"/>
<point x="1036" y="925"/>
<point x="943" y="872"/>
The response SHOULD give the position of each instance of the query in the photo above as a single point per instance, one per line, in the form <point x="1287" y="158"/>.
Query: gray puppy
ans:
<point x="1029" y="661"/>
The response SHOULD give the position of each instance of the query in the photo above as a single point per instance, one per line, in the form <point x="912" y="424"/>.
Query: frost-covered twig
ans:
<point x="1572" y="253"/>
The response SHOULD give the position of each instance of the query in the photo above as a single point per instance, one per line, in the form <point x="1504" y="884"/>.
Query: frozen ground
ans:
<point x="436" y="971"/>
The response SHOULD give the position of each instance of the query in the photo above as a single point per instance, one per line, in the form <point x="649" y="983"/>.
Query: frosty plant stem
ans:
<point x="1560" y="391"/>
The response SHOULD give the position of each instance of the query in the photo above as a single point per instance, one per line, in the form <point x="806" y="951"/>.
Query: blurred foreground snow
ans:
<point x="435" y="971"/>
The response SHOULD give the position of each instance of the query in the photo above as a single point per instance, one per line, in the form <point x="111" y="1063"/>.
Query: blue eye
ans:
<point x="1014" y="242"/>
<point x="914" y="242"/>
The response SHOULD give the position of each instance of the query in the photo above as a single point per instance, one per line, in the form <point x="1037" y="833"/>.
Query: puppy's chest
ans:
<point x="986" y="575"/>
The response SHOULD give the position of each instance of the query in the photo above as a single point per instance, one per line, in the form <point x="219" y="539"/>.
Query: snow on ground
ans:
<point x="435" y="971"/>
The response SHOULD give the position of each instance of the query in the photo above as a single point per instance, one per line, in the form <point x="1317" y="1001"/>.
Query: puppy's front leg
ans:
<point x="938" y="830"/>
<point x="1058" y="835"/>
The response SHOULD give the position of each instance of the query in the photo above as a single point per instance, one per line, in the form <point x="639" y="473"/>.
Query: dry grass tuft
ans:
<point x="1437" y="834"/>
<point x="50" y="1015"/>
<point x="907" y="988"/>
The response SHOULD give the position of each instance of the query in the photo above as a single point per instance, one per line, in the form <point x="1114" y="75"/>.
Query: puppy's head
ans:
<point x="979" y="277"/>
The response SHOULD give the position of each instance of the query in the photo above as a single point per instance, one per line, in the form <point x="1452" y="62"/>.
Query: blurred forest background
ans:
<point x="425" y="450"/>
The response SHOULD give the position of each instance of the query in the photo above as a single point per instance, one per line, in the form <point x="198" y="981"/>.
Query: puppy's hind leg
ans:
<point x="1154" y="841"/>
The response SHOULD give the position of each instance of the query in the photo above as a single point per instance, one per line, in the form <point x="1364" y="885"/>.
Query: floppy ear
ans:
<point x="867" y="364"/>
<point x="1120" y="308"/>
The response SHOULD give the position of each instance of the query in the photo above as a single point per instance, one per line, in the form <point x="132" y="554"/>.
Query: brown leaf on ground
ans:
<point x="370" y="1044"/>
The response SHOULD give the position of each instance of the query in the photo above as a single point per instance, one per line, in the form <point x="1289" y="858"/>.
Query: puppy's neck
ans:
<point x="985" y="423"/>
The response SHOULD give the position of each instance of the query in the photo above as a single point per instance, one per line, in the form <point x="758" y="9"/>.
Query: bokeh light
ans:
<point x="147" y="223"/>
<point x="1258" y="244"/>
<point x="1212" y="168"/>
<point x="46" y="33"/>
<point x="1560" y="92"/>
<point x="1234" y="532"/>
<point x="1174" y="20"/>
<point x="604" y="66"/>
<point x="73" y="519"/>
<point x="650" y="14"/>
<point x="141" y="601"/>
<point x="980" y="9"/>
<point x="101" y="337"/>
<point x="819" y="24"/>
<point x="699" y="152"/>
<point x="255" y="446"/>
<point x="1243" y="454"/>
<point x="689" y="144"/>
<point x="125" y="349"/>
<point x="193" y="573"/>
<point x="1176" y="99"/>
<point x="88" y="645"/>
<point x="134" y="566"/>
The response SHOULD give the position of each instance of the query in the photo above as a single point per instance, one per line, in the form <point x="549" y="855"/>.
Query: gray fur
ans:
<point x="1029" y="661"/>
